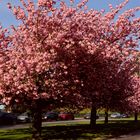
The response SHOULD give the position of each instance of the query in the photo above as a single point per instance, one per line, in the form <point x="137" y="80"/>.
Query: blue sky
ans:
<point x="7" y="19"/>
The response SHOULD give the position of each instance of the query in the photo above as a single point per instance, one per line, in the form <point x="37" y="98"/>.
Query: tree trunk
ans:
<point x="136" y="116"/>
<point x="37" y="122"/>
<point x="93" y="116"/>
<point x="106" y="116"/>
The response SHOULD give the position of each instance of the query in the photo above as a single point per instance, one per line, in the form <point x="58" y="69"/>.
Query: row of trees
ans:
<point x="67" y="55"/>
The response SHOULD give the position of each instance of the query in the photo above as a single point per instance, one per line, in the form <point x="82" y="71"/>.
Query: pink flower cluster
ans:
<point x="46" y="3"/>
<point x="66" y="53"/>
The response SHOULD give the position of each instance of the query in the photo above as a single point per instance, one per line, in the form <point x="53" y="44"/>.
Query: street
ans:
<point x="132" y="136"/>
<point x="27" y="125"/>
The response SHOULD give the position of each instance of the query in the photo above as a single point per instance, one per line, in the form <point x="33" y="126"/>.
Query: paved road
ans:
<point x="27" y="125"/>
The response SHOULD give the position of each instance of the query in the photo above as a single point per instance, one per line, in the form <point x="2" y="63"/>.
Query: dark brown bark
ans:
<point x="106" y="116"/>
<point x="93" y="116"/>
<point x="136" y="116"/>
<point x="37" y="122"/>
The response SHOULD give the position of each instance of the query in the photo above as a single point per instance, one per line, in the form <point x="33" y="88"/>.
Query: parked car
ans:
<point x="119" y="115"/>
<point x="88" y="116"/>
<point x="50" y="116"/>
<point x="125" y="115"/>
<point x="66" y="116"/>
<point x="24" y="118"/>
<point x="7" y="118"/>
<point x="115" y="115"/>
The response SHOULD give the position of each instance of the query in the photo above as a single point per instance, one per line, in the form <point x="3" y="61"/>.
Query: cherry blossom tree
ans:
<point x="115" y="43"/>
<point x="133" y="101"/>
<point x="32" y="73"/>
<point x="118" y="88"/>
<point x="32" y="70"/>
<point x="59" y="53"/>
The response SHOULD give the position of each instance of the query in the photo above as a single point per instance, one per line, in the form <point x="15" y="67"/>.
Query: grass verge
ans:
<point x="75" y="131"/>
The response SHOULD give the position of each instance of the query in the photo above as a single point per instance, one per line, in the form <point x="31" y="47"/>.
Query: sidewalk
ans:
<point x="131" y="136"/>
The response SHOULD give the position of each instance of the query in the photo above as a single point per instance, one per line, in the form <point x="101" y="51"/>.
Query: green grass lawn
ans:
<point x="75" y="131"/>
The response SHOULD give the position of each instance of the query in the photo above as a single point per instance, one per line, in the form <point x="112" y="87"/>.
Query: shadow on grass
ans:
<point x="84" y="131"/>
<point x="15" y="134"/>
<point x="75" y="131"/>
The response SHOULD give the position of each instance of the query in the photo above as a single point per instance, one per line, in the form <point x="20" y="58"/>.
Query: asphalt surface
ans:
<point x="27" y="125"/>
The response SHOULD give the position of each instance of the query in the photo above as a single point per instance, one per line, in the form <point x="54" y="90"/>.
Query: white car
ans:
<point x="115" y="115"/>
<point x="24" y="117"/>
